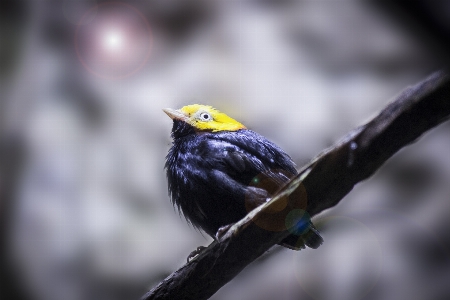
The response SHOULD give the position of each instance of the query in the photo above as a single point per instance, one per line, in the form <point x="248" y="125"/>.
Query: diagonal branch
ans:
<point x="327" y="179"/>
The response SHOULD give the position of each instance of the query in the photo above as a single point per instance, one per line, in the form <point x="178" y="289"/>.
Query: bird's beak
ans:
<point x="175" y="114"/>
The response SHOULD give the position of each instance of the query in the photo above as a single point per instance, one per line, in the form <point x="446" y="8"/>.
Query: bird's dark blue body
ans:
<point x="214" y="177"/>
<point x="209" y="173"/>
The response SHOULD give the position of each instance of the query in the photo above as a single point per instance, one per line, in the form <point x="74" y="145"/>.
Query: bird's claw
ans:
<point x="222" y="230"/>
<point x="195" y="253"/>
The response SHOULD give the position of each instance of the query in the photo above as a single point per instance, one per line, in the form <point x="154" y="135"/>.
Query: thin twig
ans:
<point x="327" y="179"/>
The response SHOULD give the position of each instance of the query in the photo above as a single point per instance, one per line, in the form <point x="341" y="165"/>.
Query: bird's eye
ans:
<point x="205" y="116"/>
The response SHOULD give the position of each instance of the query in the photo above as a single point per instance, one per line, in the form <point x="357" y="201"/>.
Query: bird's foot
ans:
<point x="222" y="230"/>
<point x="195" y="252"/>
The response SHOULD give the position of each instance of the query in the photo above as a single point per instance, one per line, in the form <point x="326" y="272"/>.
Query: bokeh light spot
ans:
<point x="279" y="215"/>
<point x="297" y="221"/>
<point x="115" y="43"/>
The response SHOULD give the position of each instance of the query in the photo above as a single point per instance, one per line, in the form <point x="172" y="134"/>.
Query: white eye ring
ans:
<point x="204" y="116"/>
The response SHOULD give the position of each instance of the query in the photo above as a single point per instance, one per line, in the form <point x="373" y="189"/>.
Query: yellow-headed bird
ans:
<point x="218" y="170"/>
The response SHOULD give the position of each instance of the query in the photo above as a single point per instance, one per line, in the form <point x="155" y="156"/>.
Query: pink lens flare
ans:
<point x="115" y="43"/>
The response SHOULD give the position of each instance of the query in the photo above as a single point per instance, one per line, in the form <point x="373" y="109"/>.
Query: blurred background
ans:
<point x="84" y="210"/>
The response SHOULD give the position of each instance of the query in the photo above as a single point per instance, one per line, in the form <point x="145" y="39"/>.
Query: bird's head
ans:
<point x="204" y="118"/>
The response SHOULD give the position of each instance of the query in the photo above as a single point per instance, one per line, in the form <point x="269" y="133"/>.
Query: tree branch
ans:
<point x="326" y="180"/>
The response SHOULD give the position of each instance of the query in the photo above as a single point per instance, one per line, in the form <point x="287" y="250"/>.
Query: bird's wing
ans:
<point x="250" y="164"/>
<point x="256" y="145"/>
<point x="237" y="169"/>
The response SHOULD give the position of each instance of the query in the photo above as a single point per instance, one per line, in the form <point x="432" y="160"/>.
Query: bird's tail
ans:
<point x="310" y="238"/>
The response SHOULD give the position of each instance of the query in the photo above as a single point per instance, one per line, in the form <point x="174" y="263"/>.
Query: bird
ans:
<point x="218" y="171"/>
